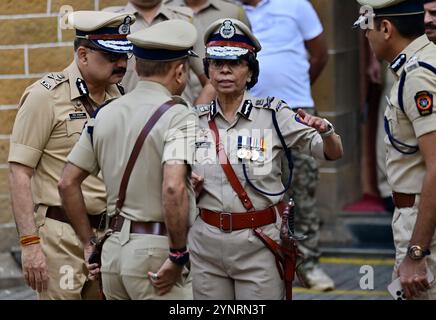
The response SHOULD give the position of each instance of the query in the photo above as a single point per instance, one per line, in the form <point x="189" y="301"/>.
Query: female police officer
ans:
<point x="238" y="151"/>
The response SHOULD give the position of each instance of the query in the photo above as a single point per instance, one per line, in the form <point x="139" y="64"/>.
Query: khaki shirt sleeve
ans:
<point x="33" y="126"/>
<point x="83" y="155"/>
<point x="180" y="138"/>
<point x="298" y="136"/>
<point x="420" y="84"/>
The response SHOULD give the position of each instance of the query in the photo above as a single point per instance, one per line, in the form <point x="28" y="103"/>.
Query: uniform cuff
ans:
<point x="76" y="155"/>
<point x="422" y="125"/>
<point x="23" y="154"/>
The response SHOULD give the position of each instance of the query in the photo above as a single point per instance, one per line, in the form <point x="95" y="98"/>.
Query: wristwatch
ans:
<point x="330" y="130"/>
<point x="93" y="241"/>
<point x="416" y="252"/>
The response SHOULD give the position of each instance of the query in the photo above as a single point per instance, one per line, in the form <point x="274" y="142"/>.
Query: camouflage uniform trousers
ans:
<point x="303" y="188"/>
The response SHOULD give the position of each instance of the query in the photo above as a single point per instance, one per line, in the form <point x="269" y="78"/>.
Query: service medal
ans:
<point x="242" y="153"/>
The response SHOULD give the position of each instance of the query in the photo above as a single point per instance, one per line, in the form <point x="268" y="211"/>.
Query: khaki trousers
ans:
<point x="67" y="272"/>
<point x="125" y="267"/>
<point x="236" y="265"/>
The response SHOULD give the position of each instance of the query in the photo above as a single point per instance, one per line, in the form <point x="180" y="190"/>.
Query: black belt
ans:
<point x="58" y="213"/>
<point x="156" y="228"/>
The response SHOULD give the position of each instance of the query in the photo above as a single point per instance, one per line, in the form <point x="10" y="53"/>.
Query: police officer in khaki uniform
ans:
<point x="148" y="13"/>
<point x="150" y="228"/>
<point x="206" y="12"/>
<point x="395" y="30"/>
<point x="51" y="115"/>
<point x="228" y="260"/>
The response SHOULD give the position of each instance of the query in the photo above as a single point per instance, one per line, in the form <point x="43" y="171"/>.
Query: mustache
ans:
<point x="431" y="26"/>
<point x="119" y="71"/>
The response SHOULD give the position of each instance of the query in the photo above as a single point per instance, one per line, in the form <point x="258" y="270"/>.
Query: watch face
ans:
<point x="415" y="252"/>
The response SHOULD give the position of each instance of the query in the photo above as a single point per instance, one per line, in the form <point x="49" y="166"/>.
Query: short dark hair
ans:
<point x="410" y="26"/>
<point x="148" y="68"/>
<point x="80" y="42"/>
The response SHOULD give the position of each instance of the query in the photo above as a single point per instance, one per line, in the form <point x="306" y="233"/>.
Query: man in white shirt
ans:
<point x="293" y="56"/>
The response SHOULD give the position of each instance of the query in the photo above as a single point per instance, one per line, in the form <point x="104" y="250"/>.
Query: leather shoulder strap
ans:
<point x="137" y="149"/>
<point x="228" y="169"/>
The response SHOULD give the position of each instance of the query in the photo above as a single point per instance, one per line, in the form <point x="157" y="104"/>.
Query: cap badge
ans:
<point x="227" y="29"/>
<point x="125" y="27"/>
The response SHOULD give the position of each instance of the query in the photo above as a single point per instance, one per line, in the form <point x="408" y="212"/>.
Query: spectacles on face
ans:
<point x="232" y="64"/>
<point x="112" y="56"/>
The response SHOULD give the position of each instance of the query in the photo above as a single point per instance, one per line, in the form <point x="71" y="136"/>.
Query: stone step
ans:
<point x="10" y="272"/>
<point x="8" y="236"/>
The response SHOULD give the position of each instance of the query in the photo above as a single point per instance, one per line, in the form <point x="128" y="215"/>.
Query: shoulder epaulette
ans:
<point x="51" y="80"/>
<point x="180" y="100"/>
<point x="202" y="109"/>
<point x="270" y="103"/>
<point x="411" y="64"/>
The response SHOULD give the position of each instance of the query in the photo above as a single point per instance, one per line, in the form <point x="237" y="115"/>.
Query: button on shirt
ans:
<point x="406" y="172"/>
<point x="282" y="26"/>
<point x="49" y="122"/>
<point x="218" y="195"/>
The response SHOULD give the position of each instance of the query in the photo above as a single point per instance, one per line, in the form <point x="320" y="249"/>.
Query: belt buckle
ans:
<point x="222" y="215"/>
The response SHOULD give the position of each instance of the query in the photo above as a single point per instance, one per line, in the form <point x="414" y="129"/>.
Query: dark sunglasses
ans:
<point x="112" y="56"/>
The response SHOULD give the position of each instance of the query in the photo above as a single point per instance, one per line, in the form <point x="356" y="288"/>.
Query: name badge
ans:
<point x="78" y="115"/>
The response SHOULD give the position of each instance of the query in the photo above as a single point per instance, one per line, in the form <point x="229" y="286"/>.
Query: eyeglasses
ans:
<point x="232" y="64"/>
<point x="112" y="56"/>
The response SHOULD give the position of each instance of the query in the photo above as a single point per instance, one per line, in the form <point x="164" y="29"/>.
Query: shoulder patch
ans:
<point x="184" y="11"/>
<point x="424" y="103"/>
<point x="51" y="80"/>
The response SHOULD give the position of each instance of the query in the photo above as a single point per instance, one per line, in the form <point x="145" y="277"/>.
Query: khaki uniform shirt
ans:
<point x="116" y="128"/>
<point x="254" y="120"/>
<point x="49" y="121"/>
<point x="166" y="12"/>
<point x="406" y="172"/>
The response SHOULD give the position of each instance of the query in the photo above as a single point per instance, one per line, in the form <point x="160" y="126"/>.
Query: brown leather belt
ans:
<point x="228" y="222"/>
<point x="403" y="200"/>
<point x="58" y="213"/>
<point x="156" y="228"/>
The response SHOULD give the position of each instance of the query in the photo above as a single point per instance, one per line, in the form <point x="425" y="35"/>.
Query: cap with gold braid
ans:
<point x="106" y="30"/>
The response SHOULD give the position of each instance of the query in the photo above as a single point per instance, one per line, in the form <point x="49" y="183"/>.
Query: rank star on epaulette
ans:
<point x="424" y="103"/>
<point x="45" y="84"/>
<point x="204" y="108"/>
<point x="259" y="102"/>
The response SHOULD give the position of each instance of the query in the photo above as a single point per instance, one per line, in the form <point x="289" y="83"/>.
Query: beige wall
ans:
<point x="31" y="45"/>
<point x="337" y="97"/>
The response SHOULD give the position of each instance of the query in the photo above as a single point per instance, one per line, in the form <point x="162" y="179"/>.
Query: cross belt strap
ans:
<point x="137" y="149"/>
<point x="228" y="169"/>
